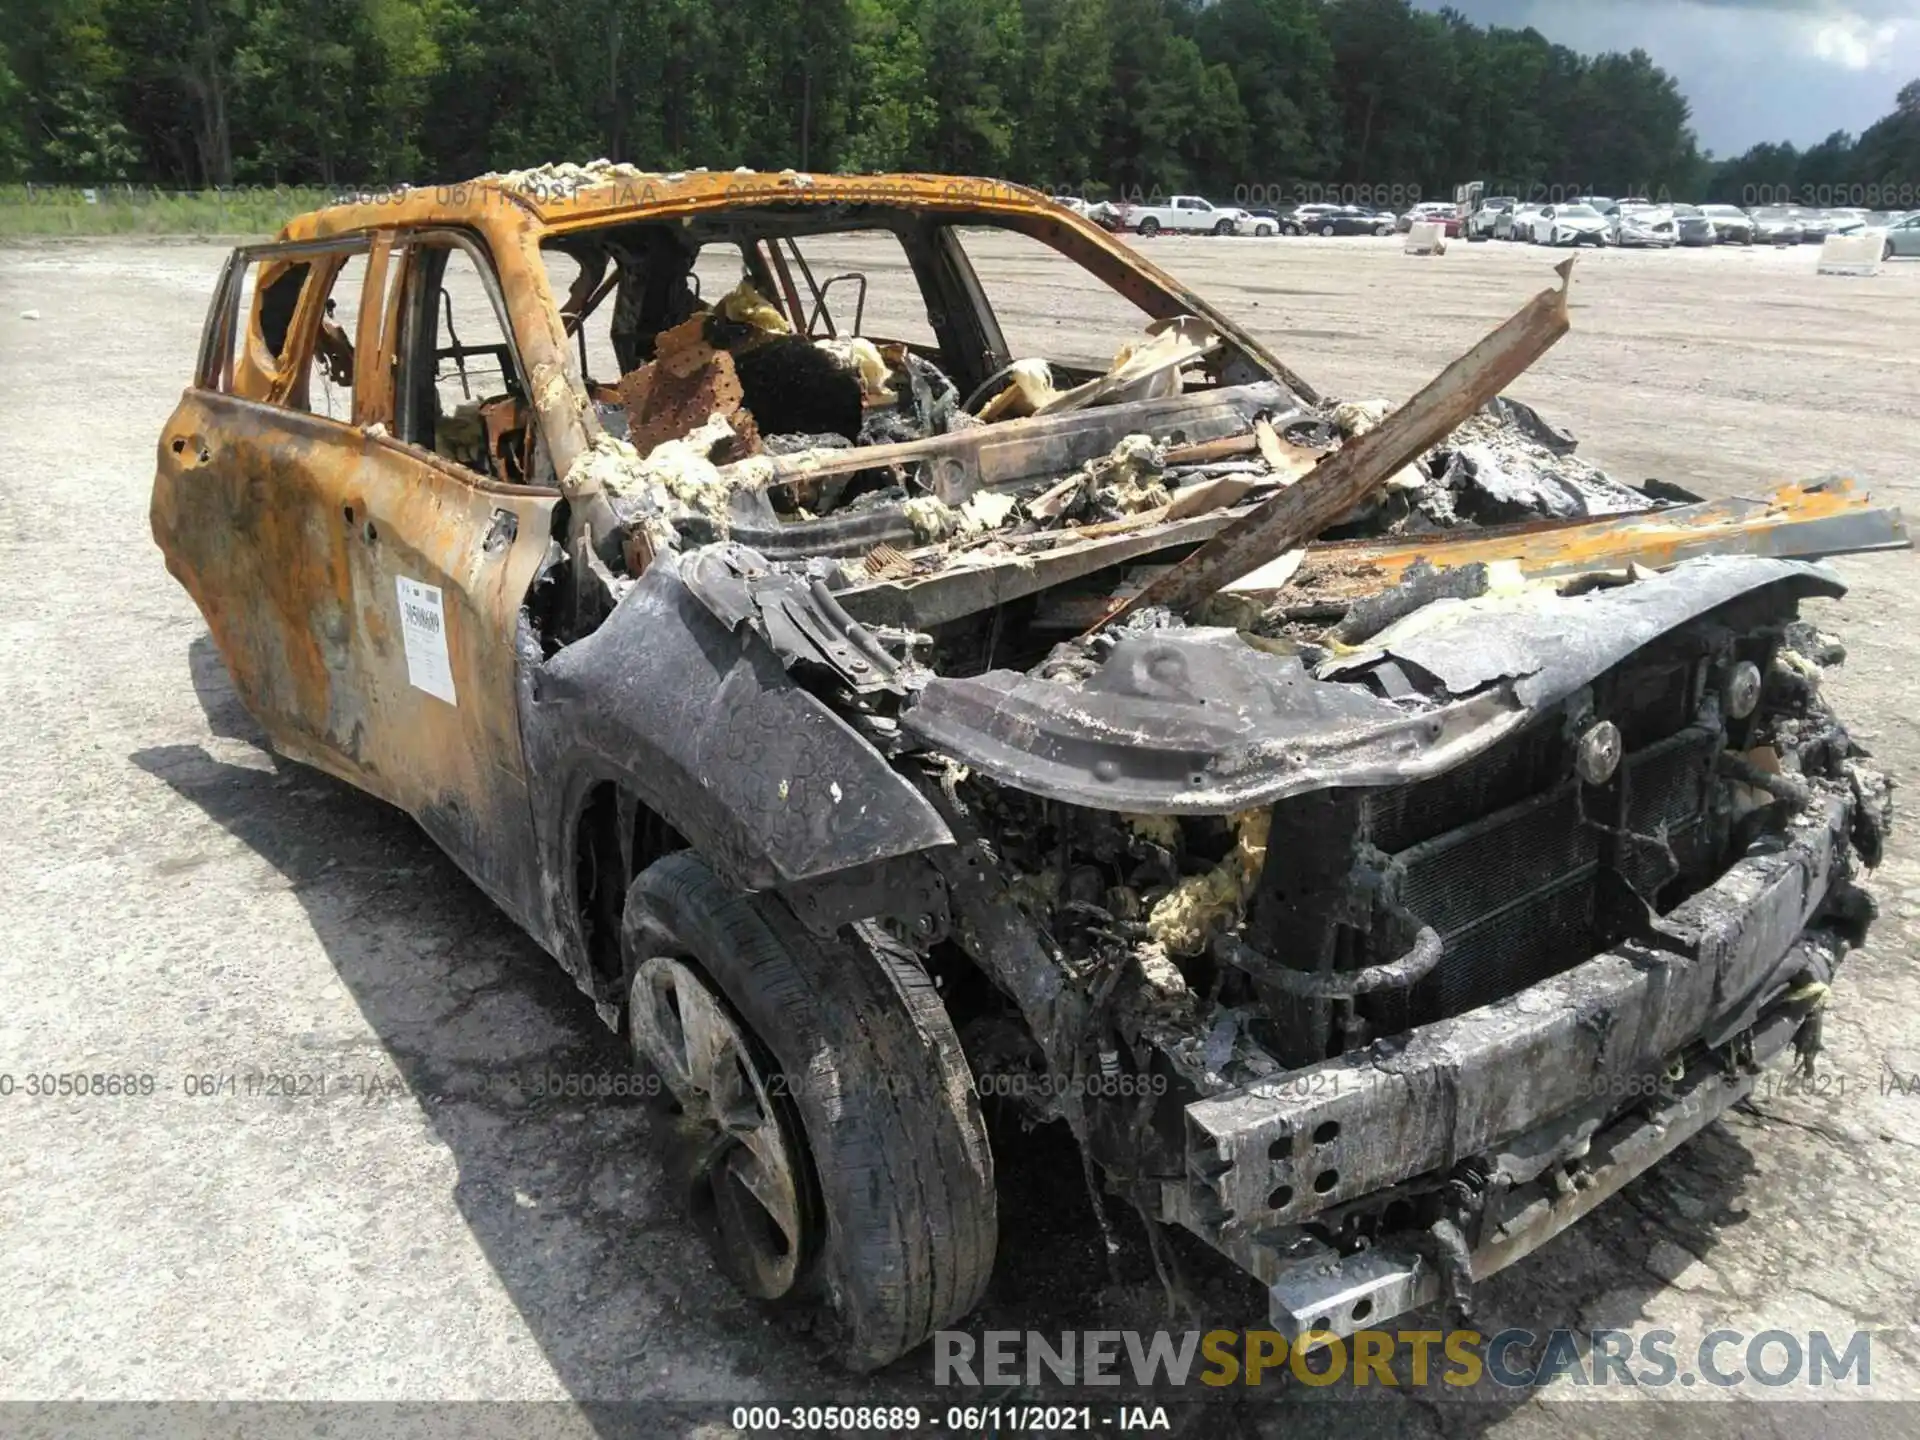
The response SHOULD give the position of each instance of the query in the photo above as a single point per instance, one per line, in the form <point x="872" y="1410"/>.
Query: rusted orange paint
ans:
<point x="513" y="225"/>
<point x="225" y="538"/>
<point x="375" y="332"/>
<point x="290" y="529"/>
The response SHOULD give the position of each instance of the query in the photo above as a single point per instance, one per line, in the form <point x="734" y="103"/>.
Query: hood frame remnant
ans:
<point x="1796" y="522"/>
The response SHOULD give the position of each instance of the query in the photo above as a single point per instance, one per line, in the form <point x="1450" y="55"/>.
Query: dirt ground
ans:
<point x="178" y="905"/>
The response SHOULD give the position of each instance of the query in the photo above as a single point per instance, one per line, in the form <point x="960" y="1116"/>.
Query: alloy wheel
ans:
<point x="744" y="1160"/>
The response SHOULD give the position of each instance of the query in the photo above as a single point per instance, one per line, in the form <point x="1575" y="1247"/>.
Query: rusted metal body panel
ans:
<point x="292" y="537"/>
<point x="293" y="533"/>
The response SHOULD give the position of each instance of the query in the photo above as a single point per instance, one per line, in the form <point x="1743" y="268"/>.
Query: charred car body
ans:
<point x="867" y="725"/>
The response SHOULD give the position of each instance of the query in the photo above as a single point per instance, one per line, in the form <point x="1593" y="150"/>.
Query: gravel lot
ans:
<point x="177" y="904"/>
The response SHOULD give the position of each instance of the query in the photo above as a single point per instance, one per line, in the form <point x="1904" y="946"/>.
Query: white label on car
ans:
<point x="423" y="622"/>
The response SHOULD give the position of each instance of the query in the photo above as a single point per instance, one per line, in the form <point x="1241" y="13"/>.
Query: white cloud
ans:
<point x="1752" y="69"/>
<point x="1853" y="42"/>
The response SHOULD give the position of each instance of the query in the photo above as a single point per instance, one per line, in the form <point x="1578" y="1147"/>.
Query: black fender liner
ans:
<point x="703" y="725"/>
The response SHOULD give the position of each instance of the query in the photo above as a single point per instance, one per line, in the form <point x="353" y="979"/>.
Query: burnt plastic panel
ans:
<point x="702" y="724"/>
<point x="1199" y="721"/>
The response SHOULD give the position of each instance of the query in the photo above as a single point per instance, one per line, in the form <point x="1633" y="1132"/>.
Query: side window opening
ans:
<point x="290" y="320"/>
<point x="277" y="303"/>
<point x="330" y="381"/>
<point x="621" y="291"/>
<point x="461" y="394"/>
<point x="760" y="298"/>
<point x="236" y="375"/>
<point x="1082" y="325"/>
<point x="881" y="331"/>
<point x="861" y="283"/>
<point x="616" y="297"/>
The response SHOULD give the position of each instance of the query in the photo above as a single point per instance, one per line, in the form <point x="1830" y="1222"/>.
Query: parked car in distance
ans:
<point x="1731" y="224"/>
<point x="1186" y="214"/>
<point x="1692" y="227"/>
<point x="1303" y="219"/>
<point x="1413" y="216"/>
<point x="1520" y="222"/>
<point x="1351" y="220"/>
<point x="1443" y="213"/>
<point x="1569" y="225"/>
<point x="1262" y="222"/>
<point x="1646" y="227"/>
<point x="1183" y="214"/>
<point x="1815" y="225"/>
<point x="1903" y="237"/>
<point x="1776" y="225"/>
<point x="1855" y="221"/>
<point x="1517" y="223"/>
<point x="1480" y="224"/>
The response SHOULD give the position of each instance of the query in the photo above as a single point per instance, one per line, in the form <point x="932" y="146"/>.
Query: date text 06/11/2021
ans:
<point x="956" y="1419"/>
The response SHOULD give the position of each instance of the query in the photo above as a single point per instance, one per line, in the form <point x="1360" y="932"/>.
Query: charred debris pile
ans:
<point x="985" y="529"/>
<point x="858" y="465"/>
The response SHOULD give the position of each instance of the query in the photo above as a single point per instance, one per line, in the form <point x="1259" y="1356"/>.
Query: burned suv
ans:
<point x="1372" y="833"/>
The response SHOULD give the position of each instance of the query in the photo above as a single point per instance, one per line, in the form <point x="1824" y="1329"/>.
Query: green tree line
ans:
<point x="1879" y="168"/>
<point x="1238" y="98"/>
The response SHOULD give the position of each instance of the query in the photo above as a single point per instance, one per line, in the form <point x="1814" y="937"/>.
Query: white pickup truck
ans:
<point x="1189" y="214"/>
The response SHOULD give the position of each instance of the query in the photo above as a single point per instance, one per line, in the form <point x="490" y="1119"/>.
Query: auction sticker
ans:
<point x="423" y="621"/>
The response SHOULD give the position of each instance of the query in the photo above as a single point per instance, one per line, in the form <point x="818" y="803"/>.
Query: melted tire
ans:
<point x="896" y="1144"/>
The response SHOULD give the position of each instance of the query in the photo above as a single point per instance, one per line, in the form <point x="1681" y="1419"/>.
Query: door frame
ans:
<point x="393" y="507"/>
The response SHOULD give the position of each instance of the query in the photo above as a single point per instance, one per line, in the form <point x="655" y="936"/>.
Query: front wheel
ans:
<point x="833" y="1144"/>
<point x="1223" y="227"/>
<point x="1886" y="250"/>
<point x="1326" y="229"/>
<point x="1149" y="227"/>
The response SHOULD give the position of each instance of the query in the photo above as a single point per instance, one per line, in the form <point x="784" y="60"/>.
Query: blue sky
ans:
<point x="1753" y="69"/>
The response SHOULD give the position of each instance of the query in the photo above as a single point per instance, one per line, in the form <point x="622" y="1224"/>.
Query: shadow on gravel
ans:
<point x="568" y="1199"/>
